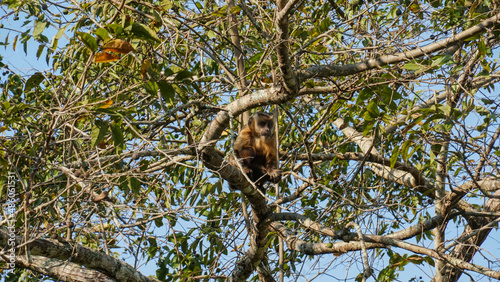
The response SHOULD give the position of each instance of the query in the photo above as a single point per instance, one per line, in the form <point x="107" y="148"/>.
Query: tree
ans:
<point x="118" y="156"/>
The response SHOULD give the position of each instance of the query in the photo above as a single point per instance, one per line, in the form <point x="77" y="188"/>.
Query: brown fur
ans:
<point x="256" y="151"/>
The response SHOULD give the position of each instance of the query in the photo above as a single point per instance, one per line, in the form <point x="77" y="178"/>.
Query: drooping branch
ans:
<point x="296" y="244"/>
<point x="399" y="176"/>
<point x="336" y="70"/>
<point x="425" y="251"/>
<point x="349" y="236"/>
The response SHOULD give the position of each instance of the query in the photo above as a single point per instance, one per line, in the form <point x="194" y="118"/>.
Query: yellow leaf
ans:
<point x="415" y="7"/>
<point x="144" y="69"/>
<point x="106" y="104"/>
<point x="104" y="57"/>
<point x="103" y="144"/>
<point x="118" y="46"/>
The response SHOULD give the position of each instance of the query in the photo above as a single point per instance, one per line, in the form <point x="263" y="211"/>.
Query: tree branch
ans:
<point x="331" y="70"/>
<point x="290" y="81"/>
<point x="90" y="259"/>
<point x="296" y="244"/>
<point x="61" y="270"/>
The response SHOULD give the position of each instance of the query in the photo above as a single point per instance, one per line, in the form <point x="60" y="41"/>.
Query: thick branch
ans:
<point x="453" y="197"/>
<point x="214" y="161"/>
<point x="296" y="244"/>
<point x="90" y="259"/>
<point x="348" y="236"/>
<point x="61" y="270"/>
<point x="374" y="241"/>
<point x="410" y="179"/>
<point x="258" y="98"/>
<point x="289" y="77"/>
<point x="329" y="70"/>
<point x="473" y="237"/>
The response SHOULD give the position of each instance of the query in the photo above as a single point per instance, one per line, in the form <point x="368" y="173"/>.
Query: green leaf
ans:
<point x="367" y="116"/>
<point x="211" y="34"/>
<point x="477" y="36"/>
<point x="372" y="108"/>
<point x="430" y="261"/>
<point x="412" y="66"/>
<point x="364" y="95"/>
<point x="88" y="40"/>
<point x="117" y="135"/>
<point x="144" y="32"/>
<point x="102" y="33"/>
<point x="39" y="28"/>
<point x="369" y="127"/>
<point x="158" y="223"/>
<point x="40" y="50"/>
<point x="151" y="87"/>
<point x="183" y="75"/>
<point x="176" y="69"/>
<point x="394" y="156"/>
<point x="134" y="185"/>
<point x="6" y="105"/>
<point x="33" y="81"/>
<point x="487" y="101"/>
<point x="446" y="109"/>
<point x="441" y="60"/>
<point x="222" y="12"/>
<point x="181" y="91"/>
<point x="432" y="157"/>
<point x="205" y="189"/>
<point x="167" y="92"/>
<point x="235" y="10"/>
<point x="404" y="150"/>
<point x="481" y="46"/>
<point x="117" y="29"/>
<point x="60" y="32"/>
<point x="99" y="131"/>
<point x="166" y="4"/>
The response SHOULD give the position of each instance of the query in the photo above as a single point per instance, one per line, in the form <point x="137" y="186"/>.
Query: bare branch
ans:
<point x="328" y="71"/>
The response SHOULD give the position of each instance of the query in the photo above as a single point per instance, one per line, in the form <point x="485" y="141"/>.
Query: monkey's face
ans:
<point x="262" y="125"/>
<point x="265" y="128"/>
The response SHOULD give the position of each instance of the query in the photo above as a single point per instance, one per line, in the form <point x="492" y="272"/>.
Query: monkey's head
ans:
<point x="262" y="125"/>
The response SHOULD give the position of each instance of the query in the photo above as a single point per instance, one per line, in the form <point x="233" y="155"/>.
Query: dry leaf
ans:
<point x="106" y="104"/>
<point x="101" y="196"/>
<point x="118" y="46"/>
<point x="104" y="57"/>
<point x="144" y="69"/>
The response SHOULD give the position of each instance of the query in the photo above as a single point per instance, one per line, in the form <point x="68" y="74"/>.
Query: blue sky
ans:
<point x="27" y="64"/>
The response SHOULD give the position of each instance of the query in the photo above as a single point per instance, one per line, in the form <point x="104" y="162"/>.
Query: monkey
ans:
<point x="255" y="150"/>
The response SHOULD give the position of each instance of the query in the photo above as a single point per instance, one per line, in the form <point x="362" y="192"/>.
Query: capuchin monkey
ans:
<point x="255" y="150"/>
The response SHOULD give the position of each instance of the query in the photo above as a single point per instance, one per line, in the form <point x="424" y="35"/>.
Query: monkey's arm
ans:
<point x="272" y="168"/>
<point x="244" y="150"/>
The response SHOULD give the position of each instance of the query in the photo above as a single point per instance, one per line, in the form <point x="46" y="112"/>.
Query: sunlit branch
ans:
<point x="344" y="70"/>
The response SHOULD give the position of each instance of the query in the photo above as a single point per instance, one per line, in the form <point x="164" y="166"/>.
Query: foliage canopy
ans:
<point x="388" y="130"/>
